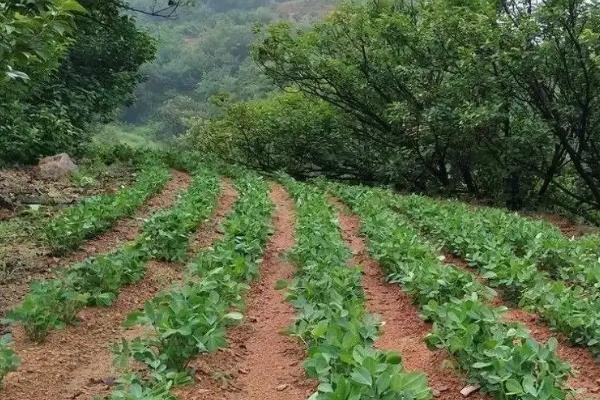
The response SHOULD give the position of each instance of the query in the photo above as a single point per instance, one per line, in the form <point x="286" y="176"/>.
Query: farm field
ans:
<point x="206" y="281"/>
<point x="299" y="200"/>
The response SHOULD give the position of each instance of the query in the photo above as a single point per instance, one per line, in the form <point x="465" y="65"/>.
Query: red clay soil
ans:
<point x="403" y="330"/>
<point x="210" y="232"/>
<point x="124" y="230"/>
<point x="586" y="379"/>
<point x="262" y="362"/>
<point x="76" y="363"/>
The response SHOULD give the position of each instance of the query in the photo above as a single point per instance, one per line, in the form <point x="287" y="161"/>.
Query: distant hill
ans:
<point x="203" y="53"/>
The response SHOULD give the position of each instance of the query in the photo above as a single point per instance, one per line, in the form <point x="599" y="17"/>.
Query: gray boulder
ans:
<point x="56" y="167"/>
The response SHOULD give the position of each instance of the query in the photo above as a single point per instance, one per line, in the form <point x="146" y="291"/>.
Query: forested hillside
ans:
<point x="495" y="100"/>
<point x="204" y="57"/>
<point x="65" y="65"/>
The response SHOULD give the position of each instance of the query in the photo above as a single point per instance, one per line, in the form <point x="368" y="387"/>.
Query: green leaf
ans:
<point x="513" y="387"/>
<point x="234" y="316"/>
<point x="362" y="375"/>
<point x="281" y="284"/>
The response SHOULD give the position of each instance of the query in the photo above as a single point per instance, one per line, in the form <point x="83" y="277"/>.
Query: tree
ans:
<point x="497" y="99"/>
<point x="67" y="65"/>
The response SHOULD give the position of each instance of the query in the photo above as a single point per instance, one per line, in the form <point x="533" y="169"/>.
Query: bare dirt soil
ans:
<point x="41" y="265"/>
<point x="261" y="362"/>
<point x="76" y="363"/>
<point x="403" y="330"/>
<point x="20" y="187"/>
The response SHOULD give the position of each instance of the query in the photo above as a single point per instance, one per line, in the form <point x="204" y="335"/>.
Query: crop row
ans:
<point x="165" y="234"/>
<point x="96" y="214"/>
<point x="52" y="304"/>
<point x="499" y="356"/>
<point x="567" y="309"/>
<point x="576" y="261"/>
<point x="191" y="318"/>
<point x="332" y="320"/>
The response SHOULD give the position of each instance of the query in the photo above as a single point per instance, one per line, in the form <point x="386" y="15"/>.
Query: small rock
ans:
<point x="435" y="393"/>
<point x="281" y="388"/>
<point x="469" y="390"/>
<point x="243" y="371"/>
<point x="109" y="381"/>
<point x="77" y="394"/>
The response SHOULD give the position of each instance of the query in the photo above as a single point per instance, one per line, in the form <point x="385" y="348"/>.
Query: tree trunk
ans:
<point x="468" y="179"/>
<point x="515" y="197"/>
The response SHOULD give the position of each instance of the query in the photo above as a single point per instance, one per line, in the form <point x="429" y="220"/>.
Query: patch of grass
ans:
<point x="136" y="136"/>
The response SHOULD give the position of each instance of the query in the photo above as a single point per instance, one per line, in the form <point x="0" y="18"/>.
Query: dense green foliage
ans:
<point x="64" y="65"/>
<point x="568" y="308"/>
<point x="491" y="99"/>
<point x="332" y="319"/>
<point x="500" y="356"/>
<point x="285" y="131"/>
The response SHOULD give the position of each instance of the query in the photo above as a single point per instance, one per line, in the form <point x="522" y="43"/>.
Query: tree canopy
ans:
<point x="65" y="64"/>
<point x="494" y="99"/>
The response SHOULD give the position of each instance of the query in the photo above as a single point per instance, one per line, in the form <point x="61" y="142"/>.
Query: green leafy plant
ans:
<point x="511" y="264"/>
<point x="165" y="235"/>
<point x="49" y="305"/>
<point x="97" y="214"/>
<point x="332" y="319"/>
<point x="101" y="278"/>
<point x="131" y="387"/>
<point x="503" y="358"/>
<point x="97" y="280"/>
<point x="192" y="318"/>
<point x="499" y="356"/>
<point x="8" y="359"/>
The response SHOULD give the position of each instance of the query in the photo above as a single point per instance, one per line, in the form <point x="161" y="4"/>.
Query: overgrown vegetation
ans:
<point x="496" y="100"/>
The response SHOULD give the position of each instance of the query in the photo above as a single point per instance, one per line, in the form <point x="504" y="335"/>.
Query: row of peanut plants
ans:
<point x="568" y="309"/>
<point x="96" y="281"/>
<point x="332" y="320"/>
<point x="576" y="261"/>
<point x="97" y="214"/>
<point x="191" y="318"/>
<point x="499" y="356"/>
